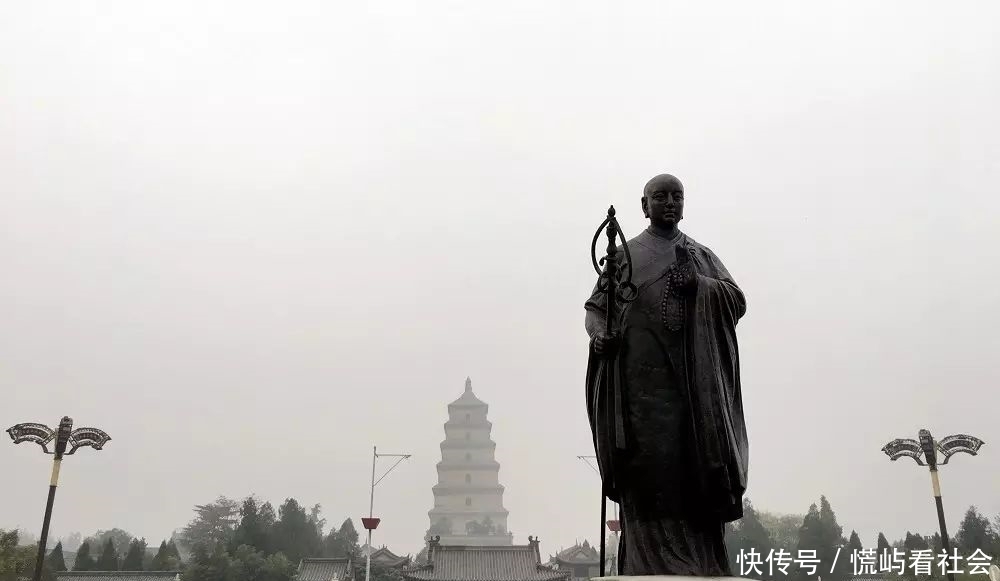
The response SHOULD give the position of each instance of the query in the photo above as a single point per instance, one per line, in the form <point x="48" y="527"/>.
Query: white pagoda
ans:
<point x="468" y="498"/>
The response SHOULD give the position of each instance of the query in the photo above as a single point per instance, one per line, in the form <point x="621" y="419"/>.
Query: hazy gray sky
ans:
<point x="250" y="241"/>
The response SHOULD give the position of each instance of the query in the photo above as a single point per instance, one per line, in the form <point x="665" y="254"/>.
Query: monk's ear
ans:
<point x="645" y="206"/>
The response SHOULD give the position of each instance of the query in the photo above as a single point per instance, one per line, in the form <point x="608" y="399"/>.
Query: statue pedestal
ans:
<point x="665" y="578"/>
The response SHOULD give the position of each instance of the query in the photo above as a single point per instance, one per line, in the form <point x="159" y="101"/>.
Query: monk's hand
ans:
<point x="686" y="277"/>
<point x="606" y="345"/>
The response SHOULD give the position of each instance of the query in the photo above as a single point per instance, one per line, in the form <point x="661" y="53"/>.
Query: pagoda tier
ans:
<point x="468" y="498"/>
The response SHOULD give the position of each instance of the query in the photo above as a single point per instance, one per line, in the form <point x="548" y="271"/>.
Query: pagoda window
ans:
<point x="468" y="501"/>
<point x="468" y="418"/>
<point x="468" y="479"/>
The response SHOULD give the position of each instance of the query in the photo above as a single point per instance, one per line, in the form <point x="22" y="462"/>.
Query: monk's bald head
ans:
<point x="663" y="201"/>
<point x="662" y="182"/>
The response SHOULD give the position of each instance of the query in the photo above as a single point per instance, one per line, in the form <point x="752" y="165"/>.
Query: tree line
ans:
<point x="227" y="540"/>
<point x="248" y="540"/>
<point x="819" y="531"/>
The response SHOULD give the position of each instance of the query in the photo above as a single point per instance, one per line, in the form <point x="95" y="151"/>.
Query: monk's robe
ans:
<point x="669" y="432"/>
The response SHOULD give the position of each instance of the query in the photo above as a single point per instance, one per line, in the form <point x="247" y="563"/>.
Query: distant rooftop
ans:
<point x="480" y="563"/>
<point x="117" y="575"/>
<point x="324" y="569"/>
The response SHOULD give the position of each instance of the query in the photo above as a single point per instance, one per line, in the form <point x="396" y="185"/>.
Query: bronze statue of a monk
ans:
<point x="681" y="471"/>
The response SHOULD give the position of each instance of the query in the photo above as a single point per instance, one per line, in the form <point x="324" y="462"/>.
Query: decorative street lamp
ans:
<point x="371" y="523"/>
<point x="925" y="453"/>
<point x="64" y="436"/>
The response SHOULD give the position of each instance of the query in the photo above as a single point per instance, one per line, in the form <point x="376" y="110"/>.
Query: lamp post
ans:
<point x="371" y="523"/>
<point x="64" y="436"/>
<point x="924" y="452"/>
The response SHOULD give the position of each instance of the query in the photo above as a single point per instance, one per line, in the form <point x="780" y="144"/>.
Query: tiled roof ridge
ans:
<point x="119" y="573"/>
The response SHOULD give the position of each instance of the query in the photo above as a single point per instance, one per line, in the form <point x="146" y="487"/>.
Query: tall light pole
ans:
<point x="64" y="436"/>
<point x="614" y="525"/>
<point x="924" y="451"/>
<point x="371" y="523"/>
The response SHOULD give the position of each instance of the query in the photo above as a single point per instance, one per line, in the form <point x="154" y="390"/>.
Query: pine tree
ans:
<point x="254" y="528"/>
<point x="55" y="560"/>
<point x="342" y="542"/>
<point x="206" y="566"/>
<point x="133" y="558"/>
<point x="833" y="541"/>
<point x="109" y="558"/>
<point x="173" y="553"/>
<point x="883" y="547"/>
<point x="746" y="535"/>
<point x="975" y="533"/>
<point x="854" y="542"/>
<point x="294" y="534"/>
<point x="84" y="561"/>
<point x="160" y="560"/>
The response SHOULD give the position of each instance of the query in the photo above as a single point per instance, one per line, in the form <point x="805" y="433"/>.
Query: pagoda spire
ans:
<point x="468" y="384"/>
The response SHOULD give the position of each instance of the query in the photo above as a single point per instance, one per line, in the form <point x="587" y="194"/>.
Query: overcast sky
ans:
<point x="251" y="240"/>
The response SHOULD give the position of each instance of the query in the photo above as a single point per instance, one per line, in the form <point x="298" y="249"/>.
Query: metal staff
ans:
<point x="616" y="283"/>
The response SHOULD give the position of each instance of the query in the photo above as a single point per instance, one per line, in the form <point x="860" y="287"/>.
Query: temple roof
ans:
<point x="468" y="398"/>
<point x="118" y="575"/>
<point x="384" y="556"/>
<point x="579" y="554"/>
<point x="324" y="569"/>
<point x="494" y="563"/>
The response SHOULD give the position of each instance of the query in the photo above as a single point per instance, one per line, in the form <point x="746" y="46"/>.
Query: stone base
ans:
<point x="665" y="578"/>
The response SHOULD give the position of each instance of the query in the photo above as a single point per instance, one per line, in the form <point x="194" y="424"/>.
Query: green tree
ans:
<point x="166" y="558"/>
<point x="277" y="567"/>
<point x="342" y="542"/>
<point x="784" y="529"/>
<point x="55" y="559"/>
<point x="294" y="534"/>
<point x="173" y="552"/>
<point x="882" y="547"/>
<point x="210" y="565"/>
<point x="84" y="561"/>
<point x="249" y="564"/>
<point x="119" y="537"/>
<point x="914" y="542"/>
<point x="160" y="559"/>
<point x="883" y="544"/>
<point x="316" y="520"/>
<point x="134" y="557"/>
<point x="213" y="523"/>
<point x="854" y="543"/>
<point x="833" y="540"/>
<point x="748" y="536"/>
<point x="975" y="532"/>
<point x="109" y="557"/>
<point x="821" y="533"/>
<point x="254" y="528"/>
<point x="17" y="562"/>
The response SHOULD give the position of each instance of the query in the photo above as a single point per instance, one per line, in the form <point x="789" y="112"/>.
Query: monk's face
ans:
<point x="663" y="201"/>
